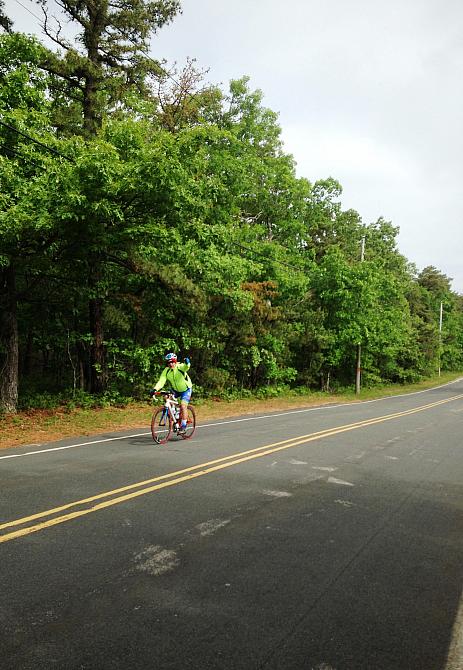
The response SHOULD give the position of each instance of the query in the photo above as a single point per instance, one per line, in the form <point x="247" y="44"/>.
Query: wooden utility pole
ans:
<point x="440" y="335"/>
<point x="359" y="345"/>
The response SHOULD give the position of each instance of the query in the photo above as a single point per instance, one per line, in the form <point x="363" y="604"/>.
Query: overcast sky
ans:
<point x="368" y="92"/>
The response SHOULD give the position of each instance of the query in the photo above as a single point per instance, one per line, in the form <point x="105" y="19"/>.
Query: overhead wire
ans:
<point x="156" y="63"/>
<point x="32" y="139"/>
<point x="164" y="72"/>
<point x="9" y="150"/>
<point x="28" y="10"/>
<point x="167" y="74"/>
<point x="42" y="68"/>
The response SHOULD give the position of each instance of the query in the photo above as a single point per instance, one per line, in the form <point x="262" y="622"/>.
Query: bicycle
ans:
<point x="166" y="419"/>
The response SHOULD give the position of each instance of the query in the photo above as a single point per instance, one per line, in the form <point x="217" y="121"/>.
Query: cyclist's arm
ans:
<point x="184" y="366"/>
<point x="162" y="380"/>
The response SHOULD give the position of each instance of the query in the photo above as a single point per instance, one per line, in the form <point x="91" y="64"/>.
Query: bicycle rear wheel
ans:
<point x="191" y="424"/>
<point x="161" y="425"/>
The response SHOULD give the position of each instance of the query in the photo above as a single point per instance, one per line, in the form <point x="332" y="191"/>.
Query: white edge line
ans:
<point x="222" y="423"/>
<point x="455" y="653"/>
<point x="72" y="446"/>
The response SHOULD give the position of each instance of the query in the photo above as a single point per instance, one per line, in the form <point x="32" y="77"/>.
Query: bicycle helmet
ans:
<point x="171" y="358"/>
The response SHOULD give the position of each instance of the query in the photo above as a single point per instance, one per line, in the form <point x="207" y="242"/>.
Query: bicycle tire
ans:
<point x="191" y="424"/>
<point x="161" y="426"/>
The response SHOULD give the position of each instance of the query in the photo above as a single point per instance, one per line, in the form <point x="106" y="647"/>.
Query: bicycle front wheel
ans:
<point x="161" y="425"/>
<point x="191" y="424"/>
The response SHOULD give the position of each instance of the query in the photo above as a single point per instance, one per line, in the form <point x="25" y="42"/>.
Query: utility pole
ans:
<point x="359" y="346"/>
<point x="440" y="334"/>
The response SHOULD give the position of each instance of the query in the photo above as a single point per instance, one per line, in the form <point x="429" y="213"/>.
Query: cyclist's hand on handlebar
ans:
<point x="153" y="392"/>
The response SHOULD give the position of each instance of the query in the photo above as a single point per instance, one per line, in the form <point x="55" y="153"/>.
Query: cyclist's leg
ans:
<point x="184" y="399"/>
<point x="188" y="431"/>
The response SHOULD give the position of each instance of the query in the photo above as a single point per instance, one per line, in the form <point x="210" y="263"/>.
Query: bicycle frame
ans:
<point x="172" y="408"/>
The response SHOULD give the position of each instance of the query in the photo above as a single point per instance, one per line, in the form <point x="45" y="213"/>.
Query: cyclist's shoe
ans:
<point x="182" y="428"/>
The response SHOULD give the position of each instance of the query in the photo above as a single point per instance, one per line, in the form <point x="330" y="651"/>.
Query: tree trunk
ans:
<point x="97" y="353"/>
<point x="8" y="342"/>
<point x="92" y="121"/>
<point x="82" y="357"/>
<point x="26" y="366"/>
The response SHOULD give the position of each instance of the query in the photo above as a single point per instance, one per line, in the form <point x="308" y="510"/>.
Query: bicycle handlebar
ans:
<point x="154" y="394"/>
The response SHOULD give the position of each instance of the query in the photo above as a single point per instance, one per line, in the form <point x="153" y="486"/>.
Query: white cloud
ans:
<point x="327" y="151"/>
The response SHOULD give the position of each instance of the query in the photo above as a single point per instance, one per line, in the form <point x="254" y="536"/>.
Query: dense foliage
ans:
<point x="169" y="217"/>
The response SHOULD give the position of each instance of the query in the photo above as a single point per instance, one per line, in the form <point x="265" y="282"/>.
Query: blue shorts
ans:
<point x="184" y="396"/>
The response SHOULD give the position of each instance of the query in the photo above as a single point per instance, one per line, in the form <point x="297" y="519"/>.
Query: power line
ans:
<point x="144" y="52"/>
<point x="41" y="67"/>
<point x="9" y="150"/>
<point x="32" y="139"/>
<point x="28" y="10"/>
<point x="165" y="72"/>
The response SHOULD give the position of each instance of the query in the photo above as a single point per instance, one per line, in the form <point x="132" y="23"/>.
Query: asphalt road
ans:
<point x="324" y="539"/>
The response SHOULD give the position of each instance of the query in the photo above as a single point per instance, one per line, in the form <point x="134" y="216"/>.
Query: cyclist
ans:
<point x="176" y="375"/>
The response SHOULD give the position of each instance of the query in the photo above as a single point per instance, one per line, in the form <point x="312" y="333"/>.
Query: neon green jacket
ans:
<point x="176" y="377"/>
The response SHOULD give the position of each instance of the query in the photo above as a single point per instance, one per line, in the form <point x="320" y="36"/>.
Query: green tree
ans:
<point x="107" y="57"/>
<point x="5" y="22"/>
<point x="439" y="347"/>
<point x="361" y="304"/>
<point x="23" y="163"/>
<point x="113" y="40"/>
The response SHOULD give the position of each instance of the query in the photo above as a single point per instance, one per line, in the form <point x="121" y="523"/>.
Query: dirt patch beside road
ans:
<point x="40" y="426"/>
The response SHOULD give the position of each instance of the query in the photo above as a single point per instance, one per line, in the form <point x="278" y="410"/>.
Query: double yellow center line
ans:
<point x="55" y="516"/>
